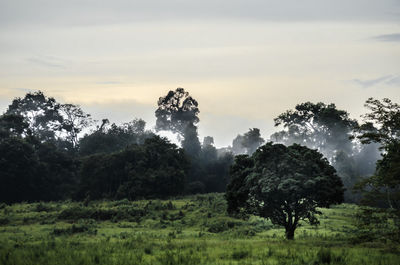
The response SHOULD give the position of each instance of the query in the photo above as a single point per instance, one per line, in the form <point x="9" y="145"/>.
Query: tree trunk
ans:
<point x="290" y="232"/>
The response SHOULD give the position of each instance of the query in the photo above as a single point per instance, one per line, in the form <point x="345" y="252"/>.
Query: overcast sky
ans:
<point x="244" y="61"/>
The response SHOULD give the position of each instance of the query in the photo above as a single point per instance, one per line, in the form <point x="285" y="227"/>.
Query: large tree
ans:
<point x="317" y="126"/>
<point x="328" y="129"/>
<point x="178" y="112"/>
<point x="41" y="113"/>
<point x="283" y="184"/>
<point x="74" y="121"/>
<point x="48" y="120"/>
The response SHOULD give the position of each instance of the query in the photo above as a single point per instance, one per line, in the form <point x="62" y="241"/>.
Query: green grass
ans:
<point x="190" y="230"/>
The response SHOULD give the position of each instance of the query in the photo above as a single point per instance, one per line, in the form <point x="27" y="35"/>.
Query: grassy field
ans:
<point x="191" y="230"/>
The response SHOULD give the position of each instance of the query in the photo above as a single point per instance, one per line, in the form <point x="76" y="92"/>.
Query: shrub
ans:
<point x="239" y="254"/>
<point x="222" y="224"/>
<point x="75" y="229"/>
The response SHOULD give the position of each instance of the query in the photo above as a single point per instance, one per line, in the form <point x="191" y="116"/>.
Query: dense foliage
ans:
<point x="329" y="130"/>
<point x="156" y="168"/>
<point x="283" y="184"/>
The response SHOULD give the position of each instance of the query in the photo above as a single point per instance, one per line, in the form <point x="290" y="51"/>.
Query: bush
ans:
<point x="76" y="213"/>
<point x="222" y="224"/>
<point x="87" y="227"/>
<point x="40" y="207"/>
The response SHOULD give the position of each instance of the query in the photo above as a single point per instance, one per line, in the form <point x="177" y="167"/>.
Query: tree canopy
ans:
<point x="156" y="168"/>
<point x="248" y="142"/>
<point x="178" y="112"/>
<point x="318" y="126"/>
<point x="283" y="184"/>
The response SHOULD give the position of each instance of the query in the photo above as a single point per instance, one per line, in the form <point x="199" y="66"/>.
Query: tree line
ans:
<point x="54" y="151"/>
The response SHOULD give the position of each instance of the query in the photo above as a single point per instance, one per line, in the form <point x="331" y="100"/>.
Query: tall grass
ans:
<point x="190" y="230"/>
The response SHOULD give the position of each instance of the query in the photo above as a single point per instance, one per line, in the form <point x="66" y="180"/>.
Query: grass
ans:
<point x="189" y="230"/>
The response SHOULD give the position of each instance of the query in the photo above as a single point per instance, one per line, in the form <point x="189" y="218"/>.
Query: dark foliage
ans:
<point x="115" y="138"/>
<point x="284" y="184"/>
<point x="382" y="125"/>
<point x="32" y="171"/>
<point x="325" y="128"/>
<point x="155" y="169"/>
<point x="178" y="112"/>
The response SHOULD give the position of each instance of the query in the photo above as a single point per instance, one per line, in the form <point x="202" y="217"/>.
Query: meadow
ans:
<point x="187" y="230"/>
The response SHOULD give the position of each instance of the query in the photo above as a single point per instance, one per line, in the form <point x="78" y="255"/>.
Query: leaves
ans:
<point x="284" y="184"/>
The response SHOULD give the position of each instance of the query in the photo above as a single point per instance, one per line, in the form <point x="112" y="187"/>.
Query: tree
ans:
<point x="208" y="141"/>
<point x="74" y="121"/>
<point x="383" y="188"/>
<point x="114" y="138"/>
<point x="21" y="172"/>
<point x="329" y="130"/>
<point x="34" y="171"/>
<point x="155" y="169"/>
<point x="50" y="121"/>
<point x="13" y="125"/>
<point x="283" y="184"/>
<point x="252" y="140"/>
<point x="237" y="145"/>
<point x="382" y="125"/>
<point x="40" y="113"/>
<point x="247" y="143"/>
<point x="317" y="126"/>
<point x="178" y="112"/>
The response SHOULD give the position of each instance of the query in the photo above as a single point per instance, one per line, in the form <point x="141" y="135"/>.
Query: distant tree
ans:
<point x="114" y="138"/>
<point x="40" y="113"/>
<point x="74" y="121"/>
<point x="283" y="184"/>
<point x="178" y="112"/>
<point x="247" y="143"/>
<point x="50" y="121"/>
<point x="382" y="125"/>
<point x="252" y="140"/>
<point x="190" y="142"/>
<point x="155" y="169"/>
<point x="317" y="126"/>
<point x="237" y="145"/>
<point x="207" y="141"/>
<point x="384" y="186"/>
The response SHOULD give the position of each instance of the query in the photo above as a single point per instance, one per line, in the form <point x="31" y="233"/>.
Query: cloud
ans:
<point x="88" y="12"/>
<point x="388" y="80"/>
<point x="109" y="83"/>
<point x="395" y="81"/>
<point x="47" y="61"/>
<point x="395" y="37"/>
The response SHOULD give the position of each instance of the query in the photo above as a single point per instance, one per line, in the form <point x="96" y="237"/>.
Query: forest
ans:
<point x="323" y="189"/>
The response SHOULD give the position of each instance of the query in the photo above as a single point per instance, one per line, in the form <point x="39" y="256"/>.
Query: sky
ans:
<point x="244" y="61"/>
